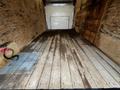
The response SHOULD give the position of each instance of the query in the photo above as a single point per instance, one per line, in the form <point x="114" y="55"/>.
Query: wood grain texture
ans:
<point x="64" y="60"/>
<point x="21" y="21"/>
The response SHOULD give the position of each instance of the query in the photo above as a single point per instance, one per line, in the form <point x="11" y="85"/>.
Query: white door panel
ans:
<point x="59" y="22"/>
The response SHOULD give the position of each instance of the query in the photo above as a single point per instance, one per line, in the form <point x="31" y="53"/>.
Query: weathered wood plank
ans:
<point x="55" y="74"/>
<point x="85" y="72"/>
<point x="34" y="79"/>
<point x="66" y="81"/>
<point x="108" y="68"/>
<point x="94" y="61"/>
<point x="90" y="66"/>
<point x="108" y="60"/>
<point x="60" y="61"/>
<point x="46" y="74"/>
<point x="12" y="79"/>
<point x="107" y="77"/>
<point x="75" y="76"/>
<point x="25" y="78"/>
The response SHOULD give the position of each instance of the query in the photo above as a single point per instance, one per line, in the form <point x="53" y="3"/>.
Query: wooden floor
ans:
<point x="60" y="60"/>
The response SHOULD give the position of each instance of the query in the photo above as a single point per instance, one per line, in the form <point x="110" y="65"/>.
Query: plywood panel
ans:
<point x="21" y="21"/>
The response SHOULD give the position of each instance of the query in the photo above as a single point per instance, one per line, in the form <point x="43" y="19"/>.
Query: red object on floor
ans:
<point x="2" y="50"/>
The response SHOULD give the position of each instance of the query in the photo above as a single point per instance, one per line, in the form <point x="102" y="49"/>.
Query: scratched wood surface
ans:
<point x="60" y="59"/>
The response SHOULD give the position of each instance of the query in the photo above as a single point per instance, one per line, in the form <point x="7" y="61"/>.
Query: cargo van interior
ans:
<point x="59" y="44"/>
